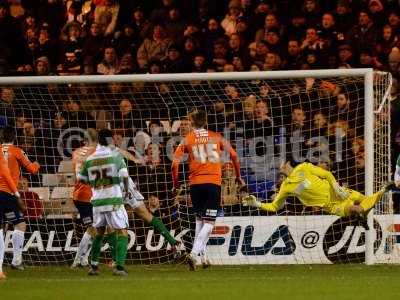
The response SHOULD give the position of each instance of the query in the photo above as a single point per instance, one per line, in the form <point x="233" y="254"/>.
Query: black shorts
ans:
<point x="9" y="210"/>
<point x="206" y="200"/>
<point x="85" y="212"/>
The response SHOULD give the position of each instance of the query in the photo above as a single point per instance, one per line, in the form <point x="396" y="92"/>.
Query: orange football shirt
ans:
<point x="16" y="158"/>
<point x="6" y="182"/>
<point x="204" y="148"/>
<point x="82" y="192"/>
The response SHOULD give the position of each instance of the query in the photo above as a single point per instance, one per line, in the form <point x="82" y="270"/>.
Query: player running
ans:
<point x="104" y="170"/>
<point x="316" y="187"/>
<point x="16" y="158"/>
<point x="81" y="196"/>
<point x="9" y="198"/>
<point x="203" y="149"/>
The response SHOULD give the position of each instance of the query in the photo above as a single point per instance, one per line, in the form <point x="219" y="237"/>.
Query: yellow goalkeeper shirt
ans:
<point x="312" y="185"/>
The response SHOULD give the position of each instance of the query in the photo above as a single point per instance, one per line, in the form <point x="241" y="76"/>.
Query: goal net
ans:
<point x="336" y="119"/>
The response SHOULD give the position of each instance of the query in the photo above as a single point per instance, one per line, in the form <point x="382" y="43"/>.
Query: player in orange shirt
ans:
<point x="203" y="149"/>
<point x="82" y="196"/>
<point x="16" y="158"/>
<point x="9" y="197"/>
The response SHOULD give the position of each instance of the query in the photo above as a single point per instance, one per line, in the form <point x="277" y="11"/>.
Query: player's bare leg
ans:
<point x="17" y="239"/>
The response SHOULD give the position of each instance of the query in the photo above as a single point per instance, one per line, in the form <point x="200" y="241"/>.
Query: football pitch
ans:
<point x="218" y="282"/>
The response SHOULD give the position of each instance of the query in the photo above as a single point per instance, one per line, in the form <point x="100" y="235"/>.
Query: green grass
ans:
<point x="220" y="282"/>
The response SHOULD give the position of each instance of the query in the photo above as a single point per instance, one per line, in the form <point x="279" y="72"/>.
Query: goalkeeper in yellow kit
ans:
<point x="316" y="187"/>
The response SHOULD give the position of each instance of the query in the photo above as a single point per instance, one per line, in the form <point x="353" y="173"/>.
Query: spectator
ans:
<point x="71" y="50"/>
<point x="385" y="43"/>
<point x="272" y="61"/>
<point x="394" y="21"/>
<point x="320" y="125"/>
<point x="220" y="54"/>
<point x="346" y="55"/>
<point x="312" y="41"/>
<point x="42" y="66"/>
<point x="293" y="55"/>
<point x="343" y="17"/>
<point x="271" y="23"/>
<point x="127" y="65"/>
<point x="174" y="25"/>
<point x="140" y="25"/>
<point x="128" y="118"/>
<point x="311" y="12"/>
<point x="33" y="207"/>
<point x="199" y="63"/>
<point x="110" y="64"/>
<point x="161" y="14"/>
<point x="364" y="34"/>
<point x="78" y="118"/>
<point x="174" y="62"/>
<point x="230" y="21"/>
<point x="297" y="27"/>
<point x="7" y="107"/>
<point x="213" y="33"/>
<point x="328" y="33"/>
<point x="261" y="50"/>
<point x="106" y="15"/>
<point x="261" y="124"/>
<point x="93" y="47"/>
<point x="237" y="49"/>
<point x="190" y="49"/>
<point x="154" y="47"/>
<point x="342" y="110"/>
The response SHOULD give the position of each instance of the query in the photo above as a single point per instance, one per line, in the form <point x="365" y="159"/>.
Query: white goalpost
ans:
<point x="337" y="119"/>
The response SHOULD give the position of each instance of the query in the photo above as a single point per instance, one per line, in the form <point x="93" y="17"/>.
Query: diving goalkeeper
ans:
<point x="316" y="187"/>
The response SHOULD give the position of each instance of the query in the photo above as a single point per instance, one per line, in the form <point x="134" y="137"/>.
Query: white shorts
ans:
<point x="116" y="219"/>
<point x="135" y="198"/>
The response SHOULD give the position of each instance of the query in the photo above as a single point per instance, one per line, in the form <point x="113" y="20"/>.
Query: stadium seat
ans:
<point x="66" y="167"/>
<point x="50" y="180"/>
<point x="43" y="192"/>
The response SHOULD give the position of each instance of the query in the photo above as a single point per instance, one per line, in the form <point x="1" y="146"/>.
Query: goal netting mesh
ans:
<point x="318" y="119"/>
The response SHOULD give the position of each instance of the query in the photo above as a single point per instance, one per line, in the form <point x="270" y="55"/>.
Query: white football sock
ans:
<point x="2" y="250"/>
<point x="199" y="226"/>
<point x="18" y="244"/>
<point x="84" y="245"/>
<point x="198" y="246"/>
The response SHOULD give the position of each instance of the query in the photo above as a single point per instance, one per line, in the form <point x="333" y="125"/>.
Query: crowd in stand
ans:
<point x="171" y="36"/>
<point x="54" y="37"/>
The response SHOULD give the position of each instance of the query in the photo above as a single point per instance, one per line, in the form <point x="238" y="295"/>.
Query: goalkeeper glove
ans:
<point x="251" y="201"/>
<point x="340" y="191"/>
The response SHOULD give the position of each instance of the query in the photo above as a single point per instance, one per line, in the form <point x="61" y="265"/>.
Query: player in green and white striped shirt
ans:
<point x="105" y="170"/>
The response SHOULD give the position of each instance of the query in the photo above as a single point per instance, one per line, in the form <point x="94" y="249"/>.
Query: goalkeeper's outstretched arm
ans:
<point x="274" y="206"/>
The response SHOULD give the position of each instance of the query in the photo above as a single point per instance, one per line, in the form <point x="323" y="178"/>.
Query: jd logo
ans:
<point x="279" y="243"/>
<point x="344" y="241"/>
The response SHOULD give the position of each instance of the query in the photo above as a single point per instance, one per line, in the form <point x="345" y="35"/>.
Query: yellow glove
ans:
<point x="251" y="201"/>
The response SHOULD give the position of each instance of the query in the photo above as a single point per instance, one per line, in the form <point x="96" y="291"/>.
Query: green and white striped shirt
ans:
<point x="104" y="170"/>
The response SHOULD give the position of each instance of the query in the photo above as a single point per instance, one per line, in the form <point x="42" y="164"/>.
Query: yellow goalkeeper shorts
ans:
<point x="340" y="207"/>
